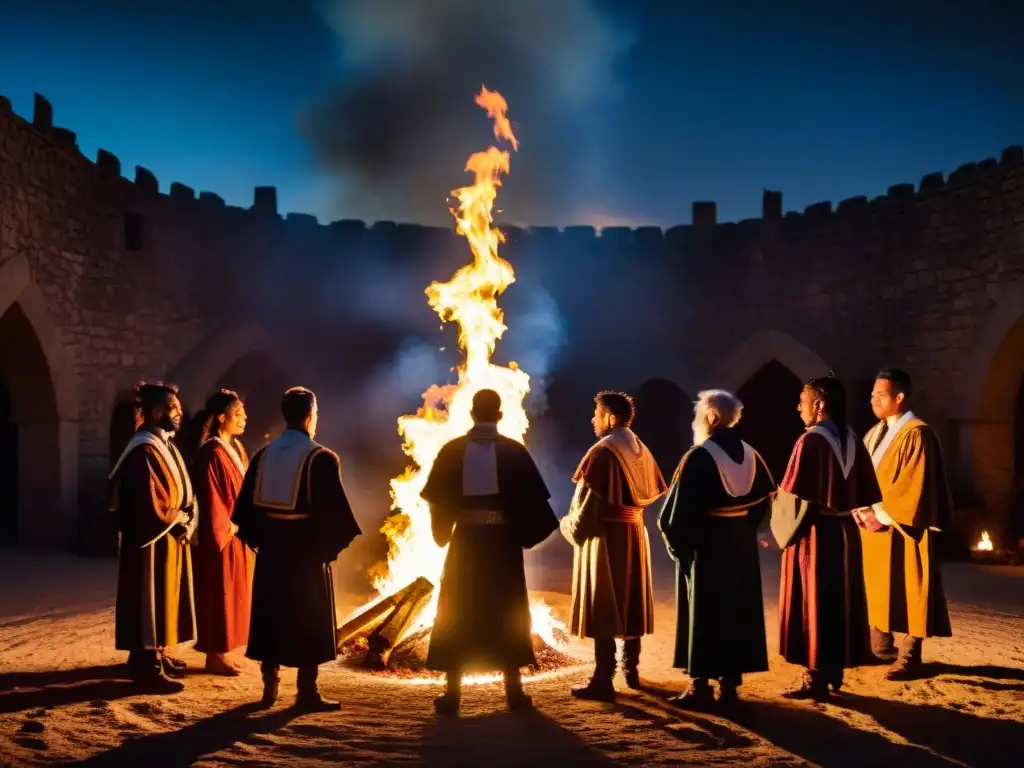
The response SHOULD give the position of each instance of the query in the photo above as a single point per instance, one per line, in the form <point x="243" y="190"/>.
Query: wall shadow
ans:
<point x="20" y="691"/>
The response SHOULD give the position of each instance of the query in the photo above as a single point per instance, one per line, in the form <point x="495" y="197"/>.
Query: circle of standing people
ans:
<point x="224" y="552"/>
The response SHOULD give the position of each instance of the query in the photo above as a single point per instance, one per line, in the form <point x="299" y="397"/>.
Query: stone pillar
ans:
<point x="265" y="200"/>
<point x="705" y="216"/>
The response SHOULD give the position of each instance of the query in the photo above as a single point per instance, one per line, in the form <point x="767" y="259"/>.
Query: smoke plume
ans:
<point x="398" y="128"/>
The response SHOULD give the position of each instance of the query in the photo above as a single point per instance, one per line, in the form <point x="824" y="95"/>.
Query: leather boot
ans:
<point x="908" y="664"/>
<point x="308" y="698"/>
<point x="631" y="662"/>
<point x="600" y="687"/>
<point x="698" y="696"/>
<point x="448" y="702"/>
<point x="727" y="686"/>
<point x="811" y="684"/>
<point x="271" y="682"/>
<point x="882" y="646"/>
<point x="516" y="697"/>
<point x="148" y="673"/>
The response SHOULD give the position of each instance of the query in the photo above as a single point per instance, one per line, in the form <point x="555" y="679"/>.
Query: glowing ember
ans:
<point x="470" y="300"/>
<point x="985" y="545"/>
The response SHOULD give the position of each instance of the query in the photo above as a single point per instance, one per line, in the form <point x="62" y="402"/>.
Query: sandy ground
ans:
<point x="63" y="697"/>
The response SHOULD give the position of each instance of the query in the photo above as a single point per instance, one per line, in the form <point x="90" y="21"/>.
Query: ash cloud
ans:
<point x="397" y="129"/>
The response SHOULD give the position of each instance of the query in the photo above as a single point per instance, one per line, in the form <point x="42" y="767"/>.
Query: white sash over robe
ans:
<point x="175" y="465"/>
<point x="883" y="447"/>
<point x="637" y="464"/>
<point x="845" y="464"/>
<point x="232" y="453"/>
<point x="280" y="470"/>
<point x="737" y="477"/>
<point x="480" y="462"/>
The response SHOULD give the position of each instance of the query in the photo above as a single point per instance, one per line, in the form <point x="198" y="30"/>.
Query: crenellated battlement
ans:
<point x="704" y="226"/>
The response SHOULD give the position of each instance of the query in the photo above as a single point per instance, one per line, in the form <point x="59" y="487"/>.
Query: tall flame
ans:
<point x="470" y="300"/>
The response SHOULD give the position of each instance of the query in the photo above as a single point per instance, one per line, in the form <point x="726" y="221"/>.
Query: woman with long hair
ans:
<point x="223" y="562"/>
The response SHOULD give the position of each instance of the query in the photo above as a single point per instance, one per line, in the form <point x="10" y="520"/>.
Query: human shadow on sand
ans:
<point x="961" y="736"/>
<point x="28" y="690"/>
<point x="187" y="745"/>
<point x="805" y="731"/>
<point x="937" y="668"/>
<point x="504" y="738"/>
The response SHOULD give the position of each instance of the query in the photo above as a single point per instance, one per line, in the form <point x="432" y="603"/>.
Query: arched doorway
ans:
<point x="770" y="422"/>
<point x="29" y="435"/>
<point x="8" y="468"/>
<point x="990" y="419"/>
<point x="260" y="381"/>
<point x="663" y="421"/>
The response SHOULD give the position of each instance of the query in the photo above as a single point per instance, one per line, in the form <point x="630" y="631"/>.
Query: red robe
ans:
<point x="823" y="623"/>
<point x="223" y="563"/>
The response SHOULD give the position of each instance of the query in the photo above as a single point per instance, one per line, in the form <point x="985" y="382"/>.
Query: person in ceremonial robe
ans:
<point x="899" y="534"/>
<point x="292" y="509"/>
<point x="720" y="493"/>
<point x="612" y="595"/>
<point x="488" y="502"/>
<point x="156" y="515"/>
<point x="823" y="624"/>
<point x="223" y="562"/>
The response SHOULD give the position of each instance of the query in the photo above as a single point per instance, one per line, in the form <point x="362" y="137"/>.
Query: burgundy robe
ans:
<point x="223" y="563"/>
<point x="823" y="623"/>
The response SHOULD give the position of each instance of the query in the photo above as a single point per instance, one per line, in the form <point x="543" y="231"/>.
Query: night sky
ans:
<point x="626" y="112"/>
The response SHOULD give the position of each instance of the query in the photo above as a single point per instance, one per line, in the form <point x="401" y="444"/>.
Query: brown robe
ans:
<point x="901" y="564"/>
<point x="296" y="536"/>
<point x="823" y="623"/>
<point x="155" y="602"/>
<point x="223" y="563"/>
<point x="612" y="593"/>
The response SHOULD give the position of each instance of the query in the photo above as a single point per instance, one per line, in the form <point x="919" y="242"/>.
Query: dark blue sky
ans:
<point x="700" y="100"/>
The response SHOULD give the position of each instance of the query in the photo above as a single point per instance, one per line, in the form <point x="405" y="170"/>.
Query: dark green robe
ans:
<point x="712" y="536"/>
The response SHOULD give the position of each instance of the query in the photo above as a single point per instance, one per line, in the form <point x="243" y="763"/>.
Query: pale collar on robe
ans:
<point x="637" y="464"/>
<point x="160" y="440"/>
<point x="737" y="477"/>
<point x="232" y="452"/>
<point x="845" y="455"/>
<point x="480" y="461"/>
<point x="280" y="470"/>
<point x="894" y="425"/>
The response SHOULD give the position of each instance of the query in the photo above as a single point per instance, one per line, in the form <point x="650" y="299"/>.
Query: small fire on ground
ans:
<point x="985" y="544"/>
<point x="392" y="631"/>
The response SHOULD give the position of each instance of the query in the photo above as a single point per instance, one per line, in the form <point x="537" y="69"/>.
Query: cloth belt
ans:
<point x="482" y="517"/>
<point x="729" y="512"/>
<point x="287" y="515"/>
<point x="625" y="515"/>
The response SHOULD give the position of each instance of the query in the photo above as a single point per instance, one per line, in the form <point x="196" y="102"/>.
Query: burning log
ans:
<point x="385" y="623"/>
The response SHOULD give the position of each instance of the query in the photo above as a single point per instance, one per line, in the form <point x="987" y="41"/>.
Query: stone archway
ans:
<point x="664" y="414"/>
<point x="767" y="372"/>
<point x="250" y="360"/>
<point x="40" y="431"/>
<point x="991" y="433"/>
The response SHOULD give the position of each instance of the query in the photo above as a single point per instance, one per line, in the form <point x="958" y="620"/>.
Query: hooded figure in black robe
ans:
<point x="488" y="503"/>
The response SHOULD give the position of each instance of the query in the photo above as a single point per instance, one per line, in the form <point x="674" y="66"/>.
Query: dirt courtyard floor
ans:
<point x="64" y="698"/>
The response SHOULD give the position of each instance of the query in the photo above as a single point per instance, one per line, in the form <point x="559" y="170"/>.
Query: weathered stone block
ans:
<point x="965" y="174"/>
<point x="302" y="219"/>
<point x="818" y="210"/>
<point x="5" y="106"/>
<point x="704" y="215"/>
<point x="264" y="200"/>
<point x="42" y="113"/>
<point x="618" y="237"/>
<point x="145" y="180"/>
<point x="771" y="205"/>
<point x="932" y="183"/>
<point x="852" y="205"/>
<point x="211" y="199"/>
<point x="181" y="191"/>
<point x="108" y="162"/>
<point x="901" y="192"/>
<point x="1012" y="157"/>
<point x="648" y="237"/>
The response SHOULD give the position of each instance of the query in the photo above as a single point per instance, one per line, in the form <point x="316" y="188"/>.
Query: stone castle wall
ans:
<point x="119" y="282"/>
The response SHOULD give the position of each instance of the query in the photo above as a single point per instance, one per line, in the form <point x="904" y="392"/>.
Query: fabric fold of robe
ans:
<point x="488" y="503"/>
<point x="612" y="593"/>
<point x="823" y="622"/>
<point x="711" y="532"/>
<point x="293" y="621"/>
<point x="901" y="563"/>
<point x="223" y="562"/>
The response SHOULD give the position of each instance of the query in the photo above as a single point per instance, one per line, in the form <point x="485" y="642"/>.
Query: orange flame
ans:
<point x="470" y="300"/>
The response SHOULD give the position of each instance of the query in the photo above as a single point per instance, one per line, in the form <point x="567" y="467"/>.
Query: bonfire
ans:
<point x="391" y="632"/>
